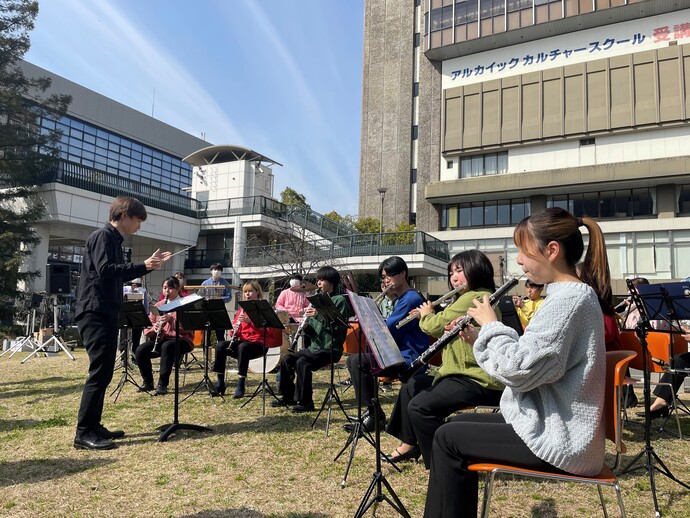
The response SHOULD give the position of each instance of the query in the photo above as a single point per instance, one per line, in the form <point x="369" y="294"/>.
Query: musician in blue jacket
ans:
<point x="410" y="339"/>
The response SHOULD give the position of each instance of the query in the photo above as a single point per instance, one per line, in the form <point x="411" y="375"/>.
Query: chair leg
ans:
<point x="617" y="487"/>
<point x="601" y="500"/>
<point x="488" y="486"/>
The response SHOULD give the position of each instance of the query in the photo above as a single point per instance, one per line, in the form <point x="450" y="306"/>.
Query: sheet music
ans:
<point x="178" y="302"/>
<point x="381" y="342"/>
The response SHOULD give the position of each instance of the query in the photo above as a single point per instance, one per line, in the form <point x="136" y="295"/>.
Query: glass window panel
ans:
<point x="453" y="216"/>
<point x="101" y="142"/>
<point x="136" y="155"/>
<point x="684" y="200"/>
<point x="502" y="163"/>
<point x="76" y="133"/>
<point x="48" y="123"/>
<point x="464" y="217"/>
<point x="466" y="169"/>
<point x="518" y="212"/>
<point x="89" y="129"/>
<point x="645" y="259"/>
<point x="477" y="214"/>
<point x="490" y="214"/>
<point x="642" y="202"/>
<point x="89" y="138"/>
<point x="125" y="151"/>
<point x="112" y="146"/>
<point x="102" y="134"/>
<point x="503" y="217"/>
<point x="590" y="205"/>
<point x="607" y="204"/>
<point x="76" y="124"/>
<point x="436" y="15"/>
<point x="681" y="260"/>
<point x="114" y="138"/>
<point x="157" y="163"/>
<point x="477" y="165"/>
<point x="89" y="156"/>
<point x="447" y="17"/>
<point x="490" y="164"/>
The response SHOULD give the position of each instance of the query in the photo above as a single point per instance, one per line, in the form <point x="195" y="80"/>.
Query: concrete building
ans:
<point x="477" y="113"/>
<point x="217" y="198"/>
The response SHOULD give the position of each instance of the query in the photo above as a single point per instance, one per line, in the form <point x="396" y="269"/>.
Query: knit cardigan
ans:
<point x="554" y="376"/>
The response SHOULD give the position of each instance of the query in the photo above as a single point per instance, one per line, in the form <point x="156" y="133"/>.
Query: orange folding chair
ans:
<point x="616" y="365"/>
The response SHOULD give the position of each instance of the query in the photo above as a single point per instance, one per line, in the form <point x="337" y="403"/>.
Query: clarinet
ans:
<point x="236" y="327"/>
<point x="445" y="339"/>
<point x="158" y="333"/>
<point x="300" y="329"/>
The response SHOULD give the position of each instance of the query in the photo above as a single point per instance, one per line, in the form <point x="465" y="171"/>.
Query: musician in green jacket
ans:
<point x="326" y="346"/>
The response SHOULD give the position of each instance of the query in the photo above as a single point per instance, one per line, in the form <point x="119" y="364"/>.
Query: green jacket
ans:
<point x="320" y="333"/>
<point x="457" y="356"/>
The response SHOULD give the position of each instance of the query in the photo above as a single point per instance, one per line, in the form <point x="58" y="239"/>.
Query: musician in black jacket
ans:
<point x="99" y="298"/>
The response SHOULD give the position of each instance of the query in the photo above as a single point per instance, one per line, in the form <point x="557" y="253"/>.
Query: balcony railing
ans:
<point x="356" y="245"/>
<point x="298" y="214"/>
<point x="89" y="179"/>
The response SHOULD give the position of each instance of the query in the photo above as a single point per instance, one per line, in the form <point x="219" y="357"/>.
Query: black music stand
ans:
<point x="179" y="306"/>
<point x="132" y="316"/>
<point x="387" y="355"/>
<point x="324" y="306"/>
<point x="262" y="316"/>
<point x="207" y="315"/>
<point x="645" y="303"/>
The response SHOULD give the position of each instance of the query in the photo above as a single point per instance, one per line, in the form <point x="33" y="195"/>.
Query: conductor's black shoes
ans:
<point x="103" y="432"/>
<point x="281" y="402"/>
<point x="301" y="408"/>
<point x="91" y="441"/>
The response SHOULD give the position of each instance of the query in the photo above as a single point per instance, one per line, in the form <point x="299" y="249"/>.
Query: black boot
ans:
<point x="239" y="391"/>
<point x="220" y="384"/>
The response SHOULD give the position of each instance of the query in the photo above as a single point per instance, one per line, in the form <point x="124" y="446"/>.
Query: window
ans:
<point x="484" y="214"/>
<point x="484" y="165"/>
<point x="449" y="164"/>
<point x="607" y="204"/>
<point x="587" y="141"/>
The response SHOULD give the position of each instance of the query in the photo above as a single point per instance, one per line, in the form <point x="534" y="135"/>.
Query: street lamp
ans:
<point x="382" y="192"/>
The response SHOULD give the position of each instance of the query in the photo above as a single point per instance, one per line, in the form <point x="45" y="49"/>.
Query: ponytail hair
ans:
<point x="534" y="232"/>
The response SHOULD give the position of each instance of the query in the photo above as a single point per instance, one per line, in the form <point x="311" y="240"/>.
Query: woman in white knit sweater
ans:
<point x="551" y="409"/>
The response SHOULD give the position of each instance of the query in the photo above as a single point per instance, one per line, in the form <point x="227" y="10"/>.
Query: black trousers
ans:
<point x="680" y="361"/>
<point x="363" y="381"/>
<point x="422" y="407"/>
<point x="99" y="335"/>
<point x="166" y="352"/>
<point x="302" y="363"/>
<point x="242" y="352"/>
<point x="469" y="438"/>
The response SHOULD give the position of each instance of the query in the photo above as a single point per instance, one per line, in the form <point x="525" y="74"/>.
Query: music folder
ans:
<point x="666" y="301"/>
<point x="381" y="342"/>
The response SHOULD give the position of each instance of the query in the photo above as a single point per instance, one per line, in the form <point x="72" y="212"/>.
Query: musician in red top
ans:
<point x="246" y="343"/>
<point x="161" y="342"/>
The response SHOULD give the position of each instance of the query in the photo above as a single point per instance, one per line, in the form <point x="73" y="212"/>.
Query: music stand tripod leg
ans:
<point x="379" y="480"/>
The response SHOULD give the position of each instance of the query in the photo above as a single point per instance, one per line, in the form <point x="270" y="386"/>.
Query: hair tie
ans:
<point x="580" y="223"/>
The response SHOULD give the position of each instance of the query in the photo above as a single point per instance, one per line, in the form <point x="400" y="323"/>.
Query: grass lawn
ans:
<point x="249" y="465"/>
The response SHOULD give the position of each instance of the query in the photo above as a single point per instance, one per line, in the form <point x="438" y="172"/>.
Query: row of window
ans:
<point x="95" y="147"/>
<point x="484" y="214"/>
<point x="618" y="203"/>
<point x="484" y="165"/>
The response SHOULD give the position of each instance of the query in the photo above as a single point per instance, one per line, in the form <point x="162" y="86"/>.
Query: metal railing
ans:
<point x="356" y="245"/>
<point x="298" y="214"/>
<point x="94" y="180"/>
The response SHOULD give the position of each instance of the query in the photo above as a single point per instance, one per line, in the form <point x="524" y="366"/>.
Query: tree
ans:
<point x="368" y="225"/>
<point x="290" y="196"/>
<point x="26" y="153"/>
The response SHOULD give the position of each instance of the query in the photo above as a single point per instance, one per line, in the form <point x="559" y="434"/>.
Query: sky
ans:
<point x="282" y="77"/>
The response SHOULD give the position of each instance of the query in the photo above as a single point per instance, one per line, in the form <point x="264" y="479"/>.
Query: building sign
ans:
<point x="567" y="49"/>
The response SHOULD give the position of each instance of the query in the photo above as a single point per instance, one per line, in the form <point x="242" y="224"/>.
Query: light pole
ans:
<point x="382" y="192"/>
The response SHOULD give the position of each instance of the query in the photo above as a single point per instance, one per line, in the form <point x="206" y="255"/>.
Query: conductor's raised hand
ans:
<point x="482" y="312"/>
<point x="154" y="262"/>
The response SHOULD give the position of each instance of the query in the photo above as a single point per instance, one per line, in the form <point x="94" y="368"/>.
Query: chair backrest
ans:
<point x="509" y="316"/>
<point x="616" y="366"/>
<point x="657" y="345"/>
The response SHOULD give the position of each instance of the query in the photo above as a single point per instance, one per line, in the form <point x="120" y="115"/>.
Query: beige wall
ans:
<point x="618" y="94"/>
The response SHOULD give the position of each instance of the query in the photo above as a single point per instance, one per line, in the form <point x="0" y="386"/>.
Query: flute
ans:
<point x="300" y="328"/>
<point x="380" y="296"/>
<point x="155" y="340"/>
<point x="445" y="339"/>
<point x="415" y="312"/>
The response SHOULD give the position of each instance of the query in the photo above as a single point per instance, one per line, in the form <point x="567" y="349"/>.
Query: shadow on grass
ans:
<point x="43" y="470"/>
<point x="54" y="379"/>
<point x="43" y="392"/>
<point x="545" y="509"/>
<point x="26" y="424"/>
<point x="248" y="513"/>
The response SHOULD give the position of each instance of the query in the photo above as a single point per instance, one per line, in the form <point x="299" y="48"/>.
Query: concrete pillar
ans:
<point x="239" y="243"/>
<point x="38" y="260"/>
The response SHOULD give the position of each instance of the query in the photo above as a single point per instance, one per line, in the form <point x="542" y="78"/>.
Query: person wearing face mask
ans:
<point x="217" y="280"/>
